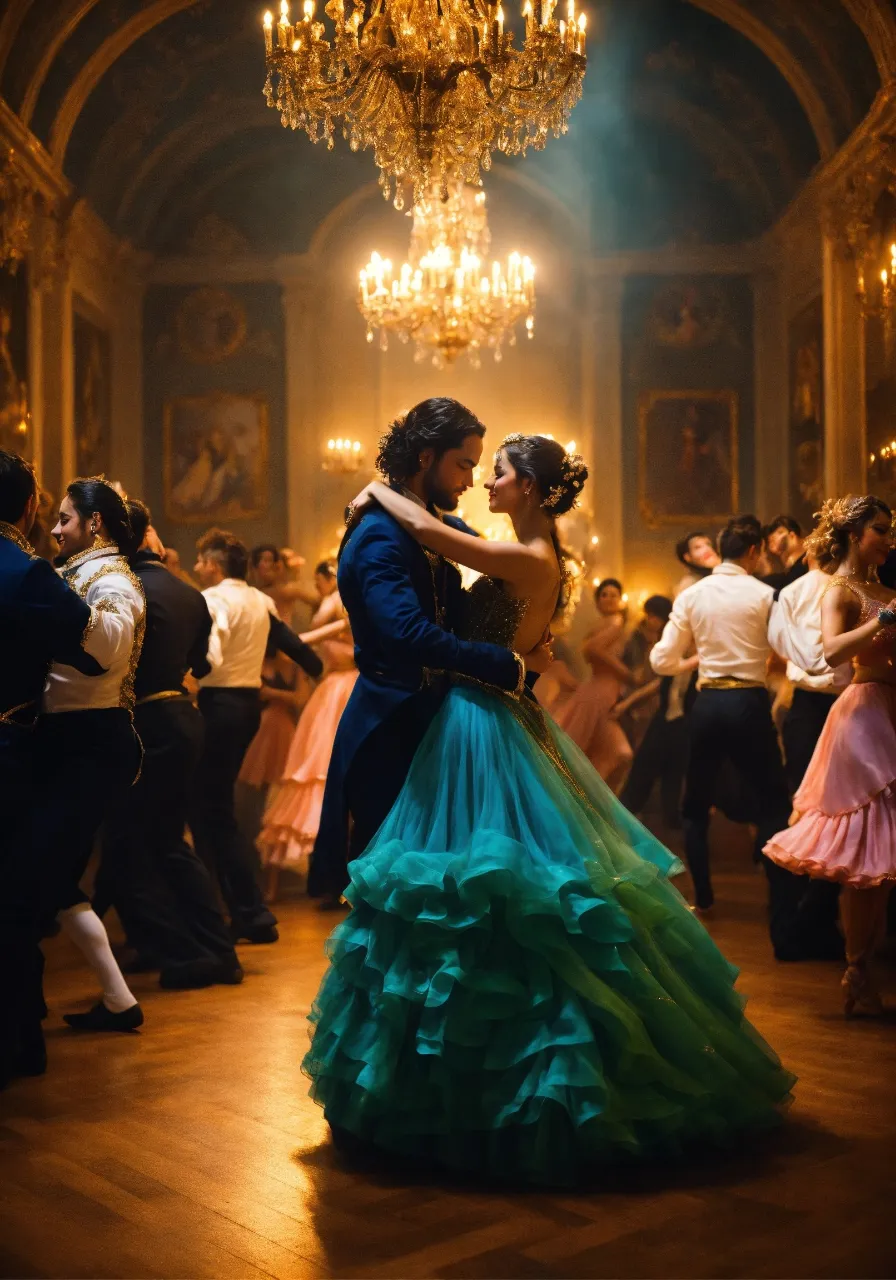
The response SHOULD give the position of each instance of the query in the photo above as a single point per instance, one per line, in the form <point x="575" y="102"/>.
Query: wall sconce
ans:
<point x="342" y="455"/>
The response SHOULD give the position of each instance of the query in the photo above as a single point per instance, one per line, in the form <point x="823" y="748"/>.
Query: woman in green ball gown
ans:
<point x="518" y="991"/>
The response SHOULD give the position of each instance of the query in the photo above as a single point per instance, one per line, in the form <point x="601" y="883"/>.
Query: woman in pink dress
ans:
<point x="844" y="823"/>
<point x="293" y="816"/>
<point x="585" y="715"/>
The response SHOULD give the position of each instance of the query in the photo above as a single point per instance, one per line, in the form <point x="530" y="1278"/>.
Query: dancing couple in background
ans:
<point x="518" y="991"/>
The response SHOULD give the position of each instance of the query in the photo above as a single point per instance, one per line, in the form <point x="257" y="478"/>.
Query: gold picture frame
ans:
<point x="215" y="457"/>
<point x="688" y="457"/>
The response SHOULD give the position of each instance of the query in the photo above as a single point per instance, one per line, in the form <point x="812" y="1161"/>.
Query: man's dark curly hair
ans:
<point x="439" y="423"/>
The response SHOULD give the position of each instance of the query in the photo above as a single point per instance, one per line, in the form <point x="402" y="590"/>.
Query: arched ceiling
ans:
<point x="701" y="118"/>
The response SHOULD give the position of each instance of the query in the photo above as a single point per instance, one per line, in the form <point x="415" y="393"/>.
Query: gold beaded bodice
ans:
<point x="490" y="614"/>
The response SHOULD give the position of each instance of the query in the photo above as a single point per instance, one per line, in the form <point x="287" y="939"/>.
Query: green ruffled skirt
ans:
<point x="518" y="991"/>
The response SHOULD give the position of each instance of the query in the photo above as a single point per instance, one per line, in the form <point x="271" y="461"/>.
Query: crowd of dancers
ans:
<point x="390" y="745"/>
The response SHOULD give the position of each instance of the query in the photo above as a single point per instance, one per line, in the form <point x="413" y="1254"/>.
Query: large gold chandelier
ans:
<point x="433" y="86"/>
<point x="443" y="299"/>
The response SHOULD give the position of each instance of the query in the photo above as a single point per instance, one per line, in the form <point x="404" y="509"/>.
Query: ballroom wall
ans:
<point x="213" y="355"/>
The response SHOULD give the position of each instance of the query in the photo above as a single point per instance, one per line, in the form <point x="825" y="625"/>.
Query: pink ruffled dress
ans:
<point x="845" y="809"/>
<point x="293" y="816"/>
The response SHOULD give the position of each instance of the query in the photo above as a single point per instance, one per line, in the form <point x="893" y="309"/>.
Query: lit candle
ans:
<point x="529" y="17"/>
<point x="283" y="26"/>
<point x="269" y="33"/>
<point x="309" y="10"/>
<point x="580" y="41"/>
<point x="500" y="17"/>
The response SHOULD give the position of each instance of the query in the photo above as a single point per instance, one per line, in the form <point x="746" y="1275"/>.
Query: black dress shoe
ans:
<point x="259" y="933"/>
<point x="99" y="1018"/>
<point x="196" y="974"/>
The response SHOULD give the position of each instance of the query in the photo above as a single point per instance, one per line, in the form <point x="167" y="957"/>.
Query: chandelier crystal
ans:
<point x="443" y="298"/>
<point x="432" y="86"/>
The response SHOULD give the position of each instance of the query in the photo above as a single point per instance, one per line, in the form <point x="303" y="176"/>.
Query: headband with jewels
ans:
<point x="572" y="473"/>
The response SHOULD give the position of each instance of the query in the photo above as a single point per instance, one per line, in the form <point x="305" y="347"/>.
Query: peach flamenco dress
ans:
<point x="293" y="816"/>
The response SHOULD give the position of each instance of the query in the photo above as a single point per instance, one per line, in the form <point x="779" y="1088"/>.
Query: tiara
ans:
<point x="572" y="474"/>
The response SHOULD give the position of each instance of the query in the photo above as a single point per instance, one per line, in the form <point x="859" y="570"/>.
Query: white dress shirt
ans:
<point x="726" y="616"/>
<point x="114" y="635"/>
<point x="794" y="631"/>
<point x="241" y="625"/>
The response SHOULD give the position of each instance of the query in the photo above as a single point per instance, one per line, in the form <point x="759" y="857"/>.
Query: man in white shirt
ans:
<point x="244" y="625"/>
<point x="726" y="617"/>
<point x="794" y="631"/>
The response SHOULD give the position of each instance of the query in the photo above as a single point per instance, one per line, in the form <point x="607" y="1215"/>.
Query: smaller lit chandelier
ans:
<point x="442" y="299"/>
<point x="432" y="86"/>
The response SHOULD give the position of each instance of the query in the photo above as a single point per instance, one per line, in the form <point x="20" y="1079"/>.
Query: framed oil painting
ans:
<point x="93" y="404"/>
<point x="687" y="457"/>
<point x="216" y="457"/>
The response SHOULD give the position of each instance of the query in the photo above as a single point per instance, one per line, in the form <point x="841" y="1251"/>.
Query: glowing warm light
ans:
<point x="432" y="90"/>
<point x="342" y="454"/>
<point x="441" y="299"/>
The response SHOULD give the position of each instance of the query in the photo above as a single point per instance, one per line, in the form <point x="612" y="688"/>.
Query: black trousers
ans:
<point x="86" y="763"/>
<point x="661" y="757"/>
<point x="160" y="887"/>
<point x="231" y="718"/>
<point x="736" y="725"/>
<point x="801" y="730"/>
<point x="21" y="959"/>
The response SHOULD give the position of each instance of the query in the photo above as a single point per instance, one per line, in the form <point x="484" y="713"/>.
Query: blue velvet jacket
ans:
<point x="402" y="603"/>
<point x="41" y="621"/>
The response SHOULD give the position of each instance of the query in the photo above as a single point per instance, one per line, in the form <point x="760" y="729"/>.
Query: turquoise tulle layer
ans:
<point x="518" y="991"/>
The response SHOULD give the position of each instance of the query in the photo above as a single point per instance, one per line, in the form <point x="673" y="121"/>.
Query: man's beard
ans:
<point x="436" y="496"/>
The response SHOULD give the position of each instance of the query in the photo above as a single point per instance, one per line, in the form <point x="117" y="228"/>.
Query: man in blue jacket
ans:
<point x="41" y="621"/>
<point x="403" y="603"/>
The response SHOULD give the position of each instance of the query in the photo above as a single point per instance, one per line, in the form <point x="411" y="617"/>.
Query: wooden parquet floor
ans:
<point x="192" y="1150"/>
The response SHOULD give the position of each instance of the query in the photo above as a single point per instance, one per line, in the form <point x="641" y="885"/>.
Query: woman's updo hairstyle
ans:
<point x="838" y="519"/>
<point x="94" y="494"/>
<point x="558" y="476"/>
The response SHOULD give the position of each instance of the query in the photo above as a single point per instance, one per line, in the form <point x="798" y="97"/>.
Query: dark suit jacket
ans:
<point x="177" y="628"/>
<point x="402" y="603"/>
<point x="41" y="621"/>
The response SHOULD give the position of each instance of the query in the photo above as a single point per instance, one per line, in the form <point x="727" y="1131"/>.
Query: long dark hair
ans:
<point x="558" y="479"/>
<point x="439" y="423"/>
<point x="92" y="494"/>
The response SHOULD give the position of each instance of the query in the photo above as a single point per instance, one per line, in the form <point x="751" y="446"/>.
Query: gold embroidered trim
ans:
<point x="91" y="626"/>
<point x="15" y="535"/>
<point x="100" y="547"/>
<point x="109" y="604"/>
<point x="120" y="566"/>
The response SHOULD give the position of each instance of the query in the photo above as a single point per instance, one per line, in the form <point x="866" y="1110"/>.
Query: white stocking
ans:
<point x="88" y="933"/>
